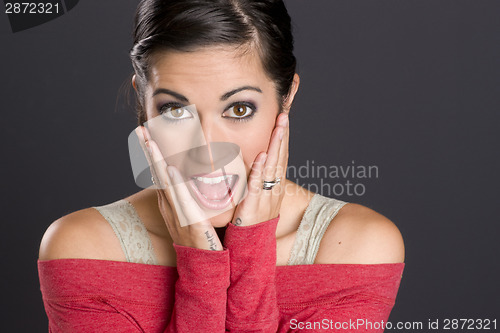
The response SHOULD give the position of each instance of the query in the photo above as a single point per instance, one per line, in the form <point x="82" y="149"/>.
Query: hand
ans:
<point x="262" y="205"/>
<point x="176" y="203"/>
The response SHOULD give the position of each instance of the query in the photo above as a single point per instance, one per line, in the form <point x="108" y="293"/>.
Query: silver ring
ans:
<point x="268" y="185"/>
<point x="153" y="180"/>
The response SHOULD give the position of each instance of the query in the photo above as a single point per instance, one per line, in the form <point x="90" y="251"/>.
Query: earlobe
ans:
<point x="291" y="95"/>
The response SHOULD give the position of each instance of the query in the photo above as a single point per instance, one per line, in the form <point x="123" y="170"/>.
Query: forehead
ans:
<point x="214" y="67"/>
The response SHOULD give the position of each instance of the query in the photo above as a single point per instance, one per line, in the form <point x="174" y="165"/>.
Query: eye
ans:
<point x="175" y="112"/>
<point x="239" y="110"/>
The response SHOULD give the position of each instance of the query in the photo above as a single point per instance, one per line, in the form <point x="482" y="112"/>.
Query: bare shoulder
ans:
<point x="83" y="234"/>
<point x="359" y="235"/>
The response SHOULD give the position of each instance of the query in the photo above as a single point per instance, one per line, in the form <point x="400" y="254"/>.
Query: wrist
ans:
<point x="202" y="239"/>
<point x="239" y="222"/>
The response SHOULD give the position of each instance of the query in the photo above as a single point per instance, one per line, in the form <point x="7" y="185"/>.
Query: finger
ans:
<point x="165" y="207"/>
<point x="144" y="143"/>
<point x="161" y="176"/>
<point x="159" y="165"/>
<point x="247" y="211"/>
<point x="255" y="177"/>
<point x="283" y="154"/>
<point x="273" y="154"/>
<point x="163" y="202"/>
<point x="185" y="203"/>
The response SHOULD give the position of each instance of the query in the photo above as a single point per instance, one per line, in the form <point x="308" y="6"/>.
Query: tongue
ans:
<point x="213" y="191"/>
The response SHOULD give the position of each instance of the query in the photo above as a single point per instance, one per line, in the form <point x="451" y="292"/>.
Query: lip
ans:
<point x="213" y="175"/>
<point x="213" y="204"/>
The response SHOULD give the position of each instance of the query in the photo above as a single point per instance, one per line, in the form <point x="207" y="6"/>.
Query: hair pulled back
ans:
<point x="186" y="25"/>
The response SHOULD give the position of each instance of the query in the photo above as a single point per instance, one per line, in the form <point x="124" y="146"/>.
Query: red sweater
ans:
<point x="239" y="289"/>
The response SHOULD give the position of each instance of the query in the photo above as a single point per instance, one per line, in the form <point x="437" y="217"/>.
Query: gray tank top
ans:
<point x="138" y="248"/>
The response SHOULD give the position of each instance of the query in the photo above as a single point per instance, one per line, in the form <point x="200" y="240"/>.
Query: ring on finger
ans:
<point x="268" y="185"/>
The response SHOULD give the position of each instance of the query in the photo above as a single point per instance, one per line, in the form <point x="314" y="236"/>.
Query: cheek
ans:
<point x="255" y="140"/>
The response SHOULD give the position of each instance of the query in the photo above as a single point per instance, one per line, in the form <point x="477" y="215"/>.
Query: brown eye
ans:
<point x="239" y="110"/>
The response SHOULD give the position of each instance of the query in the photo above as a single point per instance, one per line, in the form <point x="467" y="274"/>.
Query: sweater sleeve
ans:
<point x="338" y="298"/>
<point x="200" y="291"/>
<point x="82" y="295"/>
<point x="251" y="297"/>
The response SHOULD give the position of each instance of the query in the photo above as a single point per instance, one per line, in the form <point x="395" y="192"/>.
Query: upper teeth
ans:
<point x="214" y="180"/>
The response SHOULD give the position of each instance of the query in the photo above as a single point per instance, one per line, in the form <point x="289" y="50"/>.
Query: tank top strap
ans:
<point x="318" y="215"/>
<point x="130" y="230"/>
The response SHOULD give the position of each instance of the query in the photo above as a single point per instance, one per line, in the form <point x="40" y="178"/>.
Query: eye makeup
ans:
<point x="163" y="108"/>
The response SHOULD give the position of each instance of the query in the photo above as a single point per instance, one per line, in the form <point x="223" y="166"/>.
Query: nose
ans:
<point x="212" y="129"/>
<point x="218" y="148"/>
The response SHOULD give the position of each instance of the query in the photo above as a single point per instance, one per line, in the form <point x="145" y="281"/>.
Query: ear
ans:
<point x="291" y="94"/>
<point x="133" y="82"/>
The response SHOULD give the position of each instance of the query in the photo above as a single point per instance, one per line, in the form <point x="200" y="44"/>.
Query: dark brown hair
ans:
<point x="185" y="25"/>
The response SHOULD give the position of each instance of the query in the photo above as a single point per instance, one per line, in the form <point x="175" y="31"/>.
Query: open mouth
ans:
<point x="214" y="191"/>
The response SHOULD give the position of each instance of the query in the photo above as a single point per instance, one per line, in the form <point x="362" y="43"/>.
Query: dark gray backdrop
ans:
<point x="409" y="86"/>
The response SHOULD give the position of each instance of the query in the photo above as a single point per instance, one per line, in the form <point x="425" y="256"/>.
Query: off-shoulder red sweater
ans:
<point x="239" y="289"/>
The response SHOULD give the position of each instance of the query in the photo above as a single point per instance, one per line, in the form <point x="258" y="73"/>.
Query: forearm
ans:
<point x="251" y="297"/>
<point x="200" y="291"/>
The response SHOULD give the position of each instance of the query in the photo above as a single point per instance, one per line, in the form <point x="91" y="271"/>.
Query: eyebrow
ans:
<point x="237" y="90"/>
<point x="222" y="98"/>
<point x="171" y="93"/>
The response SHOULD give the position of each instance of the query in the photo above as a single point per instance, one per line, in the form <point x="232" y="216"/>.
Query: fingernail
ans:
<point x="281" y="134"/>
<point x="264" y="158"/>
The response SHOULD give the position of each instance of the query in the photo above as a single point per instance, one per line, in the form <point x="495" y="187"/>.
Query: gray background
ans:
<point x="412" y="87"/>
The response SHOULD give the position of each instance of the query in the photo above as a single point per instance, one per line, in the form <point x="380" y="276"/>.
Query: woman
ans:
<point x="218" y="246"/>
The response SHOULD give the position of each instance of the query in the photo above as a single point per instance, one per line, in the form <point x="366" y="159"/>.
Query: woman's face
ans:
<point x="232" y="102"/>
